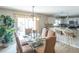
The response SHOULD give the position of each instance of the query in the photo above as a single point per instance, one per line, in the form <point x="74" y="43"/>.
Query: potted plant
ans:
<point x="6" y="29"/>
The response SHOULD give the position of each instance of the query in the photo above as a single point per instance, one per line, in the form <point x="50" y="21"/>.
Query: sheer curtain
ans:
<point x="27" y="22"/>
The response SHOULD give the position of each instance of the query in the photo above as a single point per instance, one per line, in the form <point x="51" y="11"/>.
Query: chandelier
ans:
<point x="33" y="18"/>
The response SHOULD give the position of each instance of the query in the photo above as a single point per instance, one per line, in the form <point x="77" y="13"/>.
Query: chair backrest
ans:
<point x="51" y="33"/>
<point x="28" y="31"/>
<point x="18" y="43"/>
<point x="44" y="32"/>
<point x="50" y="45"/>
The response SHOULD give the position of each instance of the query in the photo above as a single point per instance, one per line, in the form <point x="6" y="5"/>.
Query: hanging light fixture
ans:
<point x="33" y="12"/>
<point x="34" y="34"/>
<point x="33" y="18"/>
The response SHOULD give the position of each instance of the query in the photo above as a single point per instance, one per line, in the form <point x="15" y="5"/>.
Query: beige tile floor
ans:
<point x="63" y="48"/>
<point x="9" y="49"/>
<point x="59" y="48"/>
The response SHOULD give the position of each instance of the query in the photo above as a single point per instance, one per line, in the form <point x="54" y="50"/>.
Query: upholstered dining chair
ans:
<point x="51" y="33"/>
<point x="44" y="32"/>
<point x="22" y="48"/>
<point x="28" y="31"/>
<point x="48" y="46"/>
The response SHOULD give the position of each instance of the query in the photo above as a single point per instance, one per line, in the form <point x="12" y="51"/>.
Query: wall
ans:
<point x="12" y="13"/>
<point x="6" y="12"/>
<point x="51" y="20"/>
<point x="42" y="21"/>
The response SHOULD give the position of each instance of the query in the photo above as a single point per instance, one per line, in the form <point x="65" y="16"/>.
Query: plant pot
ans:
<point x="3" y="45"/>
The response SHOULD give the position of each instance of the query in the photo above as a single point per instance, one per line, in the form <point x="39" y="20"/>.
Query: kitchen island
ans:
<point x="67" y="36"/>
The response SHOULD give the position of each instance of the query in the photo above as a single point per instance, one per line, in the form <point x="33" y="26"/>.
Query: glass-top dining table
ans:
<point x="33" y="41"/>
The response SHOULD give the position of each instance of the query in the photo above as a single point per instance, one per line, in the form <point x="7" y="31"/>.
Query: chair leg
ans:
<point x="18" y="51"/>
<point x="53" y="51"/>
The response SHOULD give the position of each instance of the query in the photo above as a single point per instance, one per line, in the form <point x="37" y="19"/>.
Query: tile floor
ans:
<point x="59" y="48"/>
<point x="63" y="48"/>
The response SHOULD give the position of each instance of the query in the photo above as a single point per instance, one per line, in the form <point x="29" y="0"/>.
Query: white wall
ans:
<point x="42" y="21"/>
<point x="6" y="12"/>
<point x="51" y="20"/>
<point x="12" y="13"/>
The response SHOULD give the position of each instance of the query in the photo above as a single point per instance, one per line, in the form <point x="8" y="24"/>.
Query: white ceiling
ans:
<point x="50" y="10"/>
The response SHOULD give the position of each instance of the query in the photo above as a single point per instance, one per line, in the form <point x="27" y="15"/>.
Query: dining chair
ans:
<point x="51" y="33"/>
<point x="22" y="48"/>
<point x="48" y="46"/>
<point x="44" y="32"/>
<point x="28" y="31"/>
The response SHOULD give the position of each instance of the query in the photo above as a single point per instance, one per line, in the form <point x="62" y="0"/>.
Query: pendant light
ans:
<point x="33" y="15"/>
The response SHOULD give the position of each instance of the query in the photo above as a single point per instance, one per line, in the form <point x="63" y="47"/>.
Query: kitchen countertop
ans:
<point x="67" y="39"/>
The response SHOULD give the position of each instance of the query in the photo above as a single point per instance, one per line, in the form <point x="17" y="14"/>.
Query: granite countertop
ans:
<point x="67" y="39"/>
<point x="66" y="31"/>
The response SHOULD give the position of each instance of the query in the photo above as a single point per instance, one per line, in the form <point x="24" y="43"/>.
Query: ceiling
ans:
<point x="49" y="10"/>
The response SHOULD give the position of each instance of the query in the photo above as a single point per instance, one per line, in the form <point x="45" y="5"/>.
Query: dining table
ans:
<point x="34" y="42"/>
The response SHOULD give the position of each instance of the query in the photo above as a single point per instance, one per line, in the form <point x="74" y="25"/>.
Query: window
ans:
<point x="26" y="23"/>
<point x="57" y="22"/>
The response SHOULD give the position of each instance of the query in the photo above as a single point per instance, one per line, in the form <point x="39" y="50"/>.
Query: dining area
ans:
<point x="36" y="43"/>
